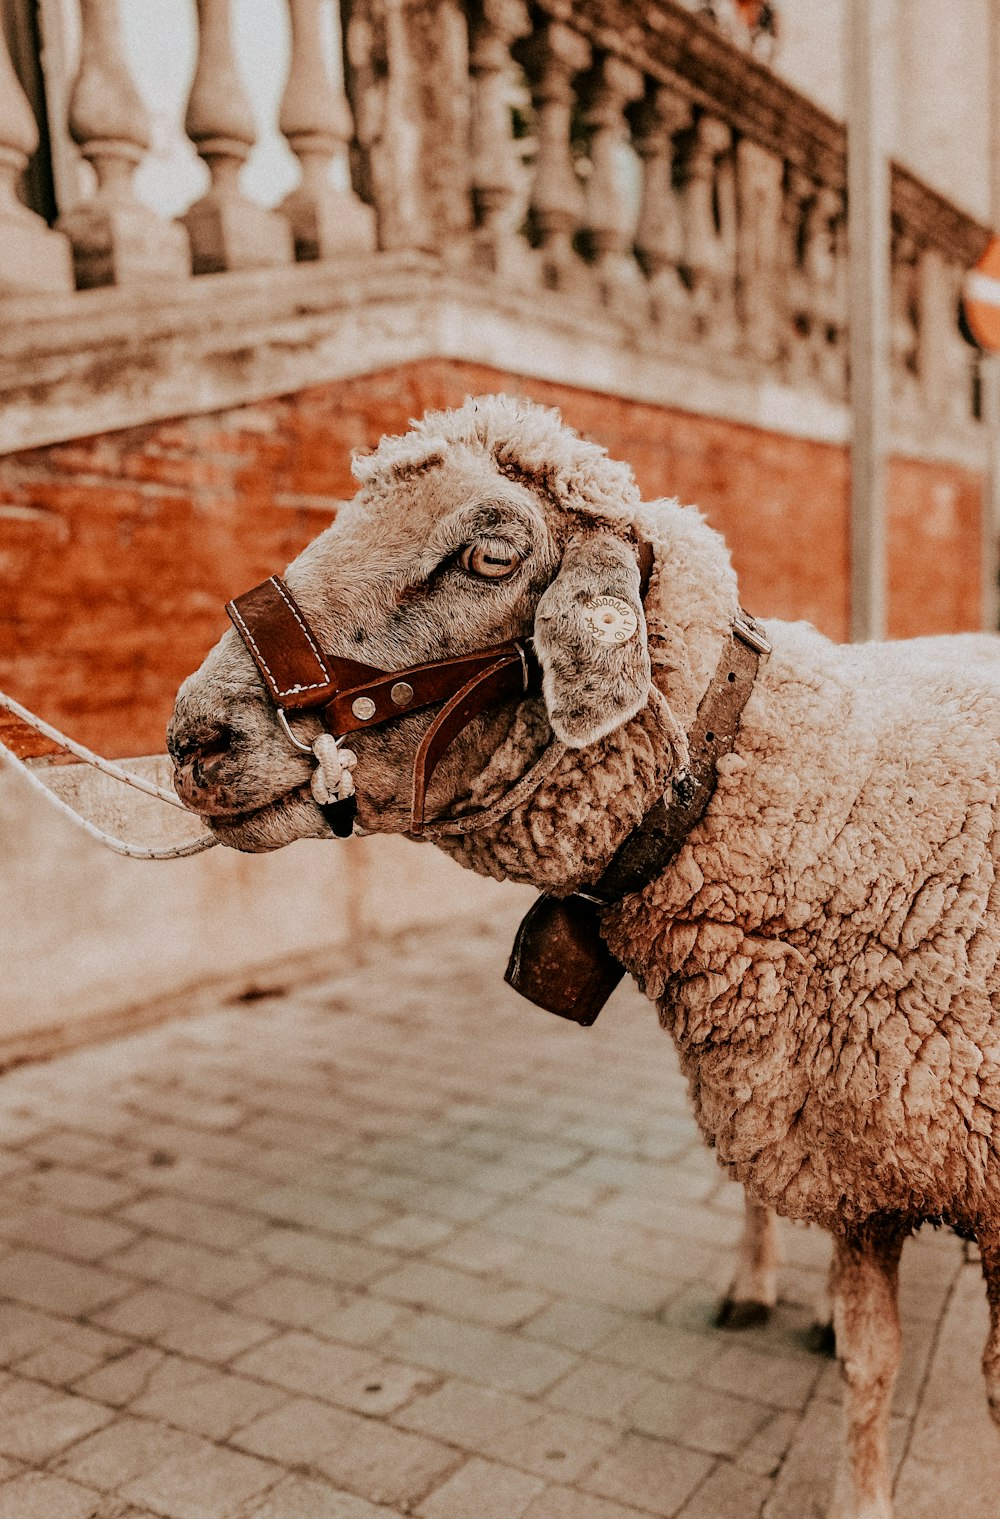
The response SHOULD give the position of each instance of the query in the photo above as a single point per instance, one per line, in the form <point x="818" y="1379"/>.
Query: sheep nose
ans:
<point x="197" y="751"/>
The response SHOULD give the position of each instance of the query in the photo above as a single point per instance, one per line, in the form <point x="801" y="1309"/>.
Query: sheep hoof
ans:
<point x="742" y="1313"/>
<point x="821" y="1340"/>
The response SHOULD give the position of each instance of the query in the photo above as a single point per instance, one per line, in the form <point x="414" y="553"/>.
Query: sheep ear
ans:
<point x="590" y="636"/>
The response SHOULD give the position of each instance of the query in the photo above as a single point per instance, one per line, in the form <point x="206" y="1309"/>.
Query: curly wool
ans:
<point x="525" y="441"/>
<point x="825" y="948"/>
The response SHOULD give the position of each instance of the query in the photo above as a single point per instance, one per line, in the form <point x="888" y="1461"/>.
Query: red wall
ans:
<point x="118" y="552"/>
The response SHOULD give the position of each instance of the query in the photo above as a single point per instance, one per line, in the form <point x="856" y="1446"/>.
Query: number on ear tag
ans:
<point x="610" y="620"/>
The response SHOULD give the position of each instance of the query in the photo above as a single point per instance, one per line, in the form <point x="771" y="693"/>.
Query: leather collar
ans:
<point x="559" y="960"/>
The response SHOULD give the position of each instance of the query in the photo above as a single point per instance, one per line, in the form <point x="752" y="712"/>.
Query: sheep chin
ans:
<point x="292" y="816"/>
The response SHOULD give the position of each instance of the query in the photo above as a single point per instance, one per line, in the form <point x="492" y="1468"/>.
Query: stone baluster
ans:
<point x="315" y="116"/>
<point x="34" y="258"/>
<point x="659" y="238"/>
<point x="116" y="239"/>
<point x="227" y="230"/>
<point x="610" y="220"/>
<point x="758" y="268"/>
<point x="708" y="204"/>
<point x="904" y="324"/>
<point x="554" y="57"/>
<point x="498" y="177"/>
<point x="828" y="265"/>
<point x="799" y="199"/>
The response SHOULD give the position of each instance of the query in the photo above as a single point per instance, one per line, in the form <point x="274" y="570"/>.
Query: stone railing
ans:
<point x="632" y="173"/>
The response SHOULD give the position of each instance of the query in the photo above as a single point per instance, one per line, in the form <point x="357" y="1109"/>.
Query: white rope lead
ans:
<point x="107" y="767"/>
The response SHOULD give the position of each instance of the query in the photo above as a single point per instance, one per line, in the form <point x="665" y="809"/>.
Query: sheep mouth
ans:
<point x="284" y="818"/>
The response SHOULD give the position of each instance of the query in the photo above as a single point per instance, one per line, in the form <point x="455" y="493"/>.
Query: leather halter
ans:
<point x="350" y="697"/>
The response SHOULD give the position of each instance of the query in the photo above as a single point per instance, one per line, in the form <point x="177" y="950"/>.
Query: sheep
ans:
<point x="823" y="949"/>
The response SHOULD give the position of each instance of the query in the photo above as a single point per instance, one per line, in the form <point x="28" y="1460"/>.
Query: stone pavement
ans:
<point x="397" y="1243"/>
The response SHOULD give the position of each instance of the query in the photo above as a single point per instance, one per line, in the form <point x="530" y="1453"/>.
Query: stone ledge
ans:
<point x="104" y="360"/>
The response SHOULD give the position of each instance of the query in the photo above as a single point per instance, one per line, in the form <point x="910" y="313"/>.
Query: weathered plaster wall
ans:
<point x="91" y="943"/>
<point x="118" y="552"/>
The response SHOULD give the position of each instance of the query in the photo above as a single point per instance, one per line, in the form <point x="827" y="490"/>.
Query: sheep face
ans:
<point x="451" y="546"/>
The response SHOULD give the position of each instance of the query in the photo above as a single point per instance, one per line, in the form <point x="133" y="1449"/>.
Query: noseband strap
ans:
<point x="350" y="697"/>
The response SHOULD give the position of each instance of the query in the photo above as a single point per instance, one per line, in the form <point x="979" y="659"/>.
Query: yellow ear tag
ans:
<point x="610" y="620"/>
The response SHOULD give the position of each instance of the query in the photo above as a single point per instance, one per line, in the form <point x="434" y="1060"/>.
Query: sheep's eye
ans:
<point x="490" y="559"/>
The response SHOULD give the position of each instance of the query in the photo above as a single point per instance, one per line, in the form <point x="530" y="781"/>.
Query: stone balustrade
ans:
<point x="633" y="169"/>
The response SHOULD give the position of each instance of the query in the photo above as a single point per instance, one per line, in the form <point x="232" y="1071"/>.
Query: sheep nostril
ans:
<point x="220" y="744"/>
<point x="194" y="752"/>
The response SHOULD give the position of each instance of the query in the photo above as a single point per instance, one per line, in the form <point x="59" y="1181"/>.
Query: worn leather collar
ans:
<point x="559" y="960"/>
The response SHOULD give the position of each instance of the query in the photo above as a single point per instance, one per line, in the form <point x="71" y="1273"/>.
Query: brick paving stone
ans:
<point x="37" y="1495"/>
<point x="570" y="1503"/>
<point x="414" y="1232"/>
<point x="552" y="1443"/>
<point x="727" y="1493"/>
<point x="576" y="1326"/>
<point x="367" y="1457"/>
<point x="469" y="1350"/>
<point x="318" y="1211"/>
<point x="649" y="1474"/>
<point x="481" y="1249"/>
<point x="484" y="1490"/>
<point x="195" y="1222"/>
<point x="124" y="1378"/>
<point x="124" y="1451"/>
<point x="697" y="1417"/>
<point x="202" y="1399"/>
<point x="65" y="1187"/>
<point x="603" y="1391"/>
<point x="335" y="1260"/>
<point x="178" y="1321"/>
<point x="472" y="1271"/>
<point x="79" y="1350"/>
<point x="663" y="1349"/>
<point x="307" y="1498"/>
<point x="425" y="1285"/>
<point x="80" y="1237"/>
<point x="37" y="1422"/>
<point x="190" y="1268"/>
<point x="41" y="1280"/>
<point x="23" y="1330"/>
<point x="781" y="1381"/>
<point x="302" y="1363"/>
<point x="210" y="1483"/>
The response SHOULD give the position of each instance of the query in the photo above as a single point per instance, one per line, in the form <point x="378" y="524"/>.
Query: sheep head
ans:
<point x="480" y="525"/>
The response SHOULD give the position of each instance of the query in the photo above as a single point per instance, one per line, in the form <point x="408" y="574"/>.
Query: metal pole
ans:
<point x="868" y="96"/>
<point x="990" y="367"/>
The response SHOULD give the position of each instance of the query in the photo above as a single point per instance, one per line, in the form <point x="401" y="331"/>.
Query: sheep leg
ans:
<point x="864" y="1282"/>
<point x="989" y="1247"/>
<point x="753" y="1290"/>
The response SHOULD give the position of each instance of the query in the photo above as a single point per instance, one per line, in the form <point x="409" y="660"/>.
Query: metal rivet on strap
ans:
<point x="363" y="707"/>
<point x="402" y="693"/>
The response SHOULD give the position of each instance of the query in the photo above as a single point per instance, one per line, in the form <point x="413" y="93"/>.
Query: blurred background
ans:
<point x="241" y="238"/>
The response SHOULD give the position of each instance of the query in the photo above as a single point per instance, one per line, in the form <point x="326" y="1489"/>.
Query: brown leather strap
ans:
<point x="560" y="961"/>
<point x="296" y="672"/>
<point x="300" y="677"/>
<point x="504" y="678"/>
<point x="660" y="835"/>
<point x="399" y="691"/>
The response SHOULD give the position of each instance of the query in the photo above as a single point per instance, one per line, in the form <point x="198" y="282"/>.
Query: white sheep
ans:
<point x="824" y="947"/>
